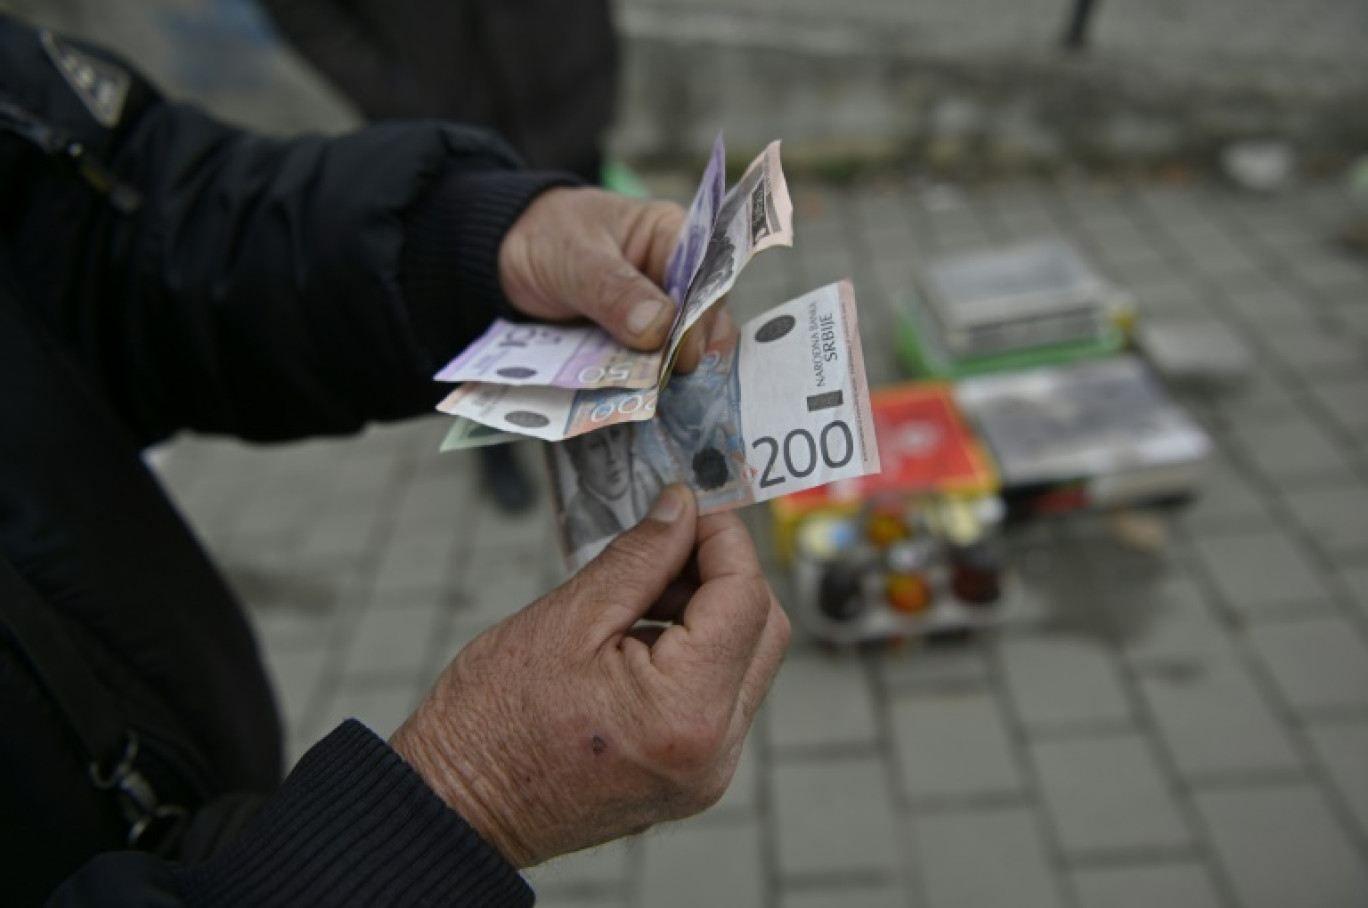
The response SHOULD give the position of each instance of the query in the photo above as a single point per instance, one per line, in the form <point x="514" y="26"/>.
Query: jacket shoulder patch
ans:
<point x="101" y="86"/>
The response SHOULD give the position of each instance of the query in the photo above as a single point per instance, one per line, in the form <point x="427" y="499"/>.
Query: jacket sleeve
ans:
<point x="266" y="288"/>
<point x="352" y="825"/>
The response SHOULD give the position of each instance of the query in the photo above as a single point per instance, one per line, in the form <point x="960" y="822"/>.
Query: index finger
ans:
<point x="716" y="331"/>
<point x="720" y="627"/>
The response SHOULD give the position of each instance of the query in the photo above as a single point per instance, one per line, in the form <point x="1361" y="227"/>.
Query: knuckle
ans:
<point x="616" y="286"/>
<point x="634" y="553"/>
<point x="757" y="594"/>
<point x="784" y="628"/>
<point x="706" y="791"/>
<point x="689" y="748"/>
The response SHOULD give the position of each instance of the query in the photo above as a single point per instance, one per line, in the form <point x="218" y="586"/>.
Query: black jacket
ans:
<point x="160" y="271"/>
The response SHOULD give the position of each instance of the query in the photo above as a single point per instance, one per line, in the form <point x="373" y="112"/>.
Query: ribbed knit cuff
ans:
<point x="449" y="266"/>
<point x="355" y="825"/>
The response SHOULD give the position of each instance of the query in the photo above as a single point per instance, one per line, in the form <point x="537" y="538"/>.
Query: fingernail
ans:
<point x="644" y="316"/>
<point x="668" y="506"/>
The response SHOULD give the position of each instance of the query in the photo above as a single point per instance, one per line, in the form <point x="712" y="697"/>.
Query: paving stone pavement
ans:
<point x="1212" y="41"/>
<point x="1186" y="729"/>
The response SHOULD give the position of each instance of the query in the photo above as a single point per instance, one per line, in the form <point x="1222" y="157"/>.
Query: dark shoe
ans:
<point x="505" y="480"/>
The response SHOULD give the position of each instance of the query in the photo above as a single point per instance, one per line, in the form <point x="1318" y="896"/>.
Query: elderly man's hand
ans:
<point x="586" y="253"/>
<point x="568" y="725"/>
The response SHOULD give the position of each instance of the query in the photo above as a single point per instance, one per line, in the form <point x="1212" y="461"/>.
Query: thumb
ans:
<point x="619" y="587"/>
<point x="620" y="299"/>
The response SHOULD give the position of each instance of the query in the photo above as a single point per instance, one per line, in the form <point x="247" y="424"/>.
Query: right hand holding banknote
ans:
<point x="583" y="253"/>
<point x="569" y="724"/>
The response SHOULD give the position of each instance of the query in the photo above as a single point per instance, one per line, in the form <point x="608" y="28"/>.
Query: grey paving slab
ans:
<point x="848" y="897"/>
<point x="380" y="707"/>
<point x="954" y="745"/>
<point x="1355" y="580"/>
<point x="556" y="899"/>
<point x="687" y="865"/>
<point x="1180" y="884"/>
<point x="934" y="668"/>
<point x="1317" y="664"/>
<point x="1262" y="572"/>
<point x="1166" y="295"/>
<point x="818" y="700"/>
<point x="393" y="635"/>
<point x="1292" y="447"/>
<point x="834" y="817"/>
<point x="1330" y="270"/>
<point x="1107" y="795"/>
<point x="1059" y="682"/>
<point x="1262" y="395"/>
<point x="1214" y="721"/>
<point x="1343" y="750"/>
<point x="1312" y="351"/>
<point x="1345" y="400"/>
<point x="282" y="628"/>
<point x="1281" y="846"/>
<point x="490" y="589"/>
<point x="336" y="535"/>
<point x="1336" y="518"/>
<point x="603" y="869"/>
<point x="1269" y="305"/>
<point x="295" y="677"/>
<point x="432" y="504"/>
<point x="743" y="794"/>
<point x="1227" y="499"/>
<point x="984" y="859"/>
<point x="414" y="562"/>
<point x="1169" y="620"/>
<point x="1351" y="316"/>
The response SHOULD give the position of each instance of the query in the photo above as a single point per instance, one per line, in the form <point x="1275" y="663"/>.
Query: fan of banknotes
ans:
<point x="785" y="408"/>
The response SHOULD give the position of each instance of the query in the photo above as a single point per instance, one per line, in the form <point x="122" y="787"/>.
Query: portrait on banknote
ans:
<point x="605" y="487"/>
<point x="699" y="421"/>
<point x="719" y="265"/>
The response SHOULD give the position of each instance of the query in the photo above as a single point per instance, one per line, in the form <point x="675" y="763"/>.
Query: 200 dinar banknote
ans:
<point x="784" y="410"/>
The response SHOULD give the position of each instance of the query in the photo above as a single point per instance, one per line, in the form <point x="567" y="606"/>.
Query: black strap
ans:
<point x="110" y="744"/>
<point x="57" y="144"/>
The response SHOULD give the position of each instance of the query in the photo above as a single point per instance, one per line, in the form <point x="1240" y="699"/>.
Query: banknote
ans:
<point x="755" y="215"/>
<point x="698" y="226"/>
<point x="586" y="356"/>
<point x="785" y="409"/>
<point x="466" y="433"/>
<point x="551" y="414"/>
<point x="563" y="356"/>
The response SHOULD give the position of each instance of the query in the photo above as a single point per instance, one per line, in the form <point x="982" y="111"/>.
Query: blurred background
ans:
<point x="1152" y="689"/>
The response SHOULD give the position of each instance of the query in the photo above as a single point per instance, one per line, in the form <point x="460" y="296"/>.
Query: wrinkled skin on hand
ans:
<point x="585" y="253"/>
<point x="568" y="725"/>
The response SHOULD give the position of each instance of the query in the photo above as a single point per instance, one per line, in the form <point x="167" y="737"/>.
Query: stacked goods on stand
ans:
<point x="1092" y="435"/>
<point x="1027" y="406"/>
<point x="1030" y="305"/>
<point x="907" y="552"/>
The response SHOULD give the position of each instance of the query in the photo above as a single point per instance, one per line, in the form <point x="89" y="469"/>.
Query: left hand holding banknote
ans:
<point x="569" y="725"/>
<point x="585" y="253"/>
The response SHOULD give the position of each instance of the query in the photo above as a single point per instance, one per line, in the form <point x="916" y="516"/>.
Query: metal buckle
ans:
<point x="152" y="825"/>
